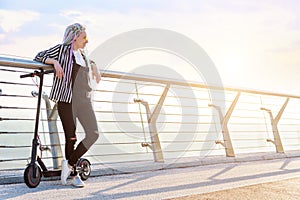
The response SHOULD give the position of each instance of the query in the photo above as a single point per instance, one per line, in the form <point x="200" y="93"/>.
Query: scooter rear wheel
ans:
<point x="29" y="178"/>
<point x="84" y="168"/>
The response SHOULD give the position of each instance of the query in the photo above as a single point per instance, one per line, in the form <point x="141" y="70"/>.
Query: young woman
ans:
<point x="71" y="90"/>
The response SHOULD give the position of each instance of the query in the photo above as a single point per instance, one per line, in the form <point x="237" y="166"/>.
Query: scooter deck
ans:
<point x="51" y="173"/>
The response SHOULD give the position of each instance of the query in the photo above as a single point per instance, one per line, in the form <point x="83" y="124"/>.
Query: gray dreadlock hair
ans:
<point x="71" y="32"/>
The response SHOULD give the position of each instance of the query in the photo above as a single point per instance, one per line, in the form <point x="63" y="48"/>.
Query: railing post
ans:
<point x="274" y="123"/>
<point x="152" y="117"/>
<point x="54" y="137"/>
<point x="224" y="121"/>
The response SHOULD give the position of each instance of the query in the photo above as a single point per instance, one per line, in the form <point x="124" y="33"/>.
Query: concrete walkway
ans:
<point x="279" y="190"/>
<point x="171" y="183"/>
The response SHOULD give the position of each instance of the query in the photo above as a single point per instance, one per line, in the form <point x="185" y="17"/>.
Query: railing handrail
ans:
<point x="30" y="64"/>
<point x="22" y="63"/>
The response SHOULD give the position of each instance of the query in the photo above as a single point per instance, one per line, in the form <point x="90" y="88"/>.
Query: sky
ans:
<point x="253" y="44"/>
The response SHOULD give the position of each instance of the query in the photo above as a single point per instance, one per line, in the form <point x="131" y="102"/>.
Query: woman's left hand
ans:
<point x="96" y="73"/>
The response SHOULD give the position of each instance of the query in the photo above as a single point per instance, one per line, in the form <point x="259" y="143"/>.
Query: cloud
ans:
<point x="263" y="25"/>
<point x="30" y="46"/>
<point x="247" y="38"/>
<point x="13" y="20"/>
<point x="2" y="36"/>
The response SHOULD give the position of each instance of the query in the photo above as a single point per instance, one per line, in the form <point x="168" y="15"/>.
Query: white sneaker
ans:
<point x="77" y="182"/>
<point x="65" y="172"/>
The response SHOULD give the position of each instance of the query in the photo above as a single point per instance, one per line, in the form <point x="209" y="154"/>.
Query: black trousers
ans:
<point x="79" y="109"/>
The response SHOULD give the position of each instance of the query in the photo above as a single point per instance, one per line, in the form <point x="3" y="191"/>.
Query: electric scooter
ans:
<point x="36" y="168"/>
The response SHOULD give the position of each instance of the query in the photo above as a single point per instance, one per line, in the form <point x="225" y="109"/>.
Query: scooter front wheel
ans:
<point x="32" y="175"/>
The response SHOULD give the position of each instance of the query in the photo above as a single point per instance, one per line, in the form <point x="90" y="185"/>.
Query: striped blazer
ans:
<point x="61" y="89"/>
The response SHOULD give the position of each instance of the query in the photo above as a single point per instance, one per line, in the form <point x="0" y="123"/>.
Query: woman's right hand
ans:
<point x="58" y="69"/>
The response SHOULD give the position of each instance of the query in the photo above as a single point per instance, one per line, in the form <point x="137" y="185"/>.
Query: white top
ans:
<point x="79" y="59"/>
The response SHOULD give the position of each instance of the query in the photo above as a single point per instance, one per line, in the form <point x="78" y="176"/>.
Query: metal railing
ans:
<point x="144" y="118"/>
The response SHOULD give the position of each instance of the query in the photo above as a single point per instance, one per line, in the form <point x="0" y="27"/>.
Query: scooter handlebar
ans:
<point x="37" y="73"/>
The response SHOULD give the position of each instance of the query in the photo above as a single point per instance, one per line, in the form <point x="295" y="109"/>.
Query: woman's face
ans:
<point x="80" y="41"/>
